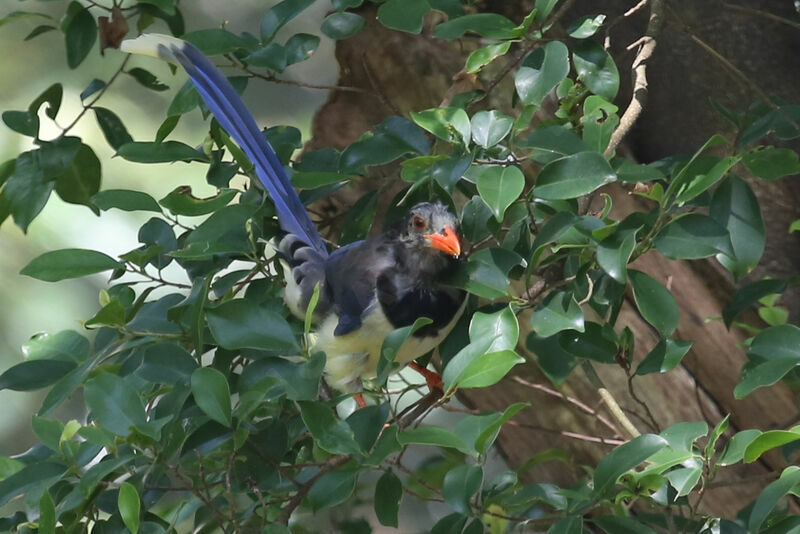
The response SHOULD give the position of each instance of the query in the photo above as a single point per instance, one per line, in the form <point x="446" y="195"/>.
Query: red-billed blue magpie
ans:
<point x="368" y="288"/>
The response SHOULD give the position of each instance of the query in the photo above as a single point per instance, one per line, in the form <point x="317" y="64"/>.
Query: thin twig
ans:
<point x="763" y="14"/>
<point x="639" y="68"/>
<point x="568" y="434"/>
<point x="334" y="463"/>
<point x="609" y="400"/>
<point x="100" y="93"/>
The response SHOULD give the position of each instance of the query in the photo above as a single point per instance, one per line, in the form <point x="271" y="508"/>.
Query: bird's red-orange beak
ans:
<point x="447" y="242"/>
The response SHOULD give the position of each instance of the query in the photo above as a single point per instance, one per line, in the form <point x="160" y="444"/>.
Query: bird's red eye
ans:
<point x="419" y="222"/>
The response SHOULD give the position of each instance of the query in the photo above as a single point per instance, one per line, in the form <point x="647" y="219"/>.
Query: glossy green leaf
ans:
<point x="596" y="68"/>
<point x="403" y="15"/>
<point x="32" y="478"/>
<point x="541" y="72"/>
<point x="553" y="142"/>
<point x="67" y="345"/>
<point x="490" y="127"/>
<point x="358" y="220"/>
<point x="491" y="25"/>
<point x="664" y="357"/>
<point x="69" y="263"/>
<point x="735" y="206"/>
<point x="769" y="497"/>
<point x="332" y="488"/>
<point x="613" y="524"/>
<point x="212" y="394"/>
<point x="166" y="152"/>
<point x="567" y="525"/>
<point x="693" y="236"/>
<point x="734" y="451"/>
<point x="22" y="122"/>
<point x="614" y="252"/>
<point x="111" y="125"/>
<point x="681" y="436"/>
<point x="342" y="25"/>
<point x="242" y="323"/>
<point x="181" y="201"/>
<point x="460" y="484"/>
<point x="273" y="57"/>
<point x="499" y="187"/>
<point x="624" y="458"/>
<point x="329" y="433"/>
<point x="486" y="370"/>
<point x="125" y="200"/>
<point x="450" y="124"/>
<point x="480" y="431"/>
<point x="114" y="403"/>
<point x="168" y="6"/>
<point x="80" y="180"/>
<point x="684" y="479"/>
<point x="573" y="176"/>
<point x="558" y="312"/>
<point x="80" y="36"/>
<point x="767" y="441"/>
<point x="701" y="182"/>
<point x="749" y="295"/>
<point x="34" y="374"/>
<point x="483" y="56"/>
<point x="388" y="494"/>
<point x="586" y="26"/>
<point x="278" y="15"/>
<point x="555" y="362"/>
<point x="592" y="343"/>
<point x="300" y="47"/>
<point x="391" y="346"/>
<point x="655" y="303"/>
<point x="763" y="374"/>
<point x="129" y="506"/>
<point x="436" y="436"/>
<point x="772" y="163"/>
<point x="214" y="41"/>
<point x="144" y="77"/>
<point x="500" y="327"/>
<point x="47" y="514"/>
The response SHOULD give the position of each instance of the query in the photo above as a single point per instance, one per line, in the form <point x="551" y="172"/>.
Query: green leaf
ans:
<point x="543" y="9"/>
<point x="768" y="441"/>
<point x="27" y="189"/>
<point x="332" y="489"/>
<point x="403" y="15"/>
<point x="278" y="15"/>
<point x="181" y="201"/>
<point x="166" y="152"/>
<point x="770" y="496"/>
<point x="702" y="182"/>
<point x="573" y="176"/>
<point x="329" y="433"/>
<point x="614" y="252"/>
<point x="129" y="506"/>
<point x="144" y="77"/>
<point x="664" y="357"/>
<point x="748" y="295"/>
<point x="31" y="479"/>
<point x="299" y="380"/>
<point x="599" y="121"/>
<point x="114" y="131"/>
<point x="80" y="35"/>
<point x="555" y="362"/>
<point x="541" y="72"/>
<point x="167" y="6"/>
<point x="772" y="163"/>
<point x="273" y="57"/>
<point x="80" y="180"/>
<point x="436" y="436"/>
<point x="693" y="236"/>
<point x="778" y="350"/>
<point x="623" y="458"/>
<point x="391" y="346"/>
<point x="114" y="404"/>
<point x="450" y="124"/>
<point x="215" y="41"/>
<point x="241" y="323"/>
<point x="358" y="220"/>
<point x="735" y="206"/>
<point x="69" y="263"/>
<point x="486" y="370"/>
<point x="212" y="394"/>
<point x="586" y="26"/>
<point x="489" y="25"/>
<point x="684" y="479"/>
<point x="47" y="514"/>
<point x="342" y="25"/>
<point x="500" y="328"/>
<point x="490" y="127"/>
<point x="166" y="363"/>
<point x="681" y="436"/>
<point x="553" y="142"/>
<point x="613" y="524"/>
<point x="300" y="47"/>
<point x="125" y="200"/>
<point x="388" y="494"/>
<point x="558" y="312"/>
<point x="499" y="187"/>
<point x="655" y="303"/>
<point x="483" y="56"/>
<point x="567" y="525"/>
<point x="34" y="374"/>
<point x="596" y="69"/>
<point x="22" y="122"/>
<point x="460" y="484"/>
<point x="592" y="344"/>
<point x="734" y="452"/>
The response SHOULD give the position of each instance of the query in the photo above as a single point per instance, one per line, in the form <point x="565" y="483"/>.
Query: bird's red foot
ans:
<point x="359" y="398"/>
<point x="434" y="380"/>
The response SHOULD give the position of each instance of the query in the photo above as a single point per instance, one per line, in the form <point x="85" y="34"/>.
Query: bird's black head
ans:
<point x="429" y="226"/>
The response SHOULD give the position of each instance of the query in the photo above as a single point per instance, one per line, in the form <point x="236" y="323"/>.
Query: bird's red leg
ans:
<point x="359" y="398"/>
<point x="434" y="380"/>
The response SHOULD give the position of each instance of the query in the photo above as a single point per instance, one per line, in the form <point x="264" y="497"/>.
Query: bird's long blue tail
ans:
<point x="229" y="110"/>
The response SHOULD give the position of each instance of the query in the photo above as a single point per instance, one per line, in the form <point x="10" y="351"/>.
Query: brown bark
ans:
<point x="402" y="72"/>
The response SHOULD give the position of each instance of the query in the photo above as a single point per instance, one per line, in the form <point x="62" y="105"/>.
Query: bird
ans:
<point x="366" y="289"/>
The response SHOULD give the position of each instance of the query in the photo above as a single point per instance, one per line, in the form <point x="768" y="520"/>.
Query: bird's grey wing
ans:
<point x="351" y="274"/>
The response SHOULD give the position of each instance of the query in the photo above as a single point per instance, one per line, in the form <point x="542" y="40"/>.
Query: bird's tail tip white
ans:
<point x="156" y="45"/>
